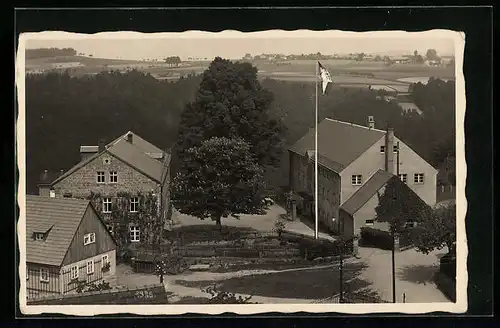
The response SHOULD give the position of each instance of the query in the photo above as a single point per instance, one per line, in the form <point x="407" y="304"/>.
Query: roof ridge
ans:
<point x="355" y="125"/>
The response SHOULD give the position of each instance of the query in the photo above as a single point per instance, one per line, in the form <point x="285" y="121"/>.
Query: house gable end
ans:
<point x="104" y="242"/>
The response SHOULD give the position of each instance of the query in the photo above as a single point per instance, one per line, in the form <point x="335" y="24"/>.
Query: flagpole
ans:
<point x="316" y="156"/>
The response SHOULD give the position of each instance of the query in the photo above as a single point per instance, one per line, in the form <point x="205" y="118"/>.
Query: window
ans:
<point x="369" y="222"/>
<point x="44" y="275"/>
<point x="100" y="177"/>
<point x="105" y="260"/>
<point x="52" y="193"/>
<point x="134" y="204"/>
<point x="110" y="228"/>
<point x="403" y="177"/>
<point x="90" y="267"/>
<point x="418" y="178"/>
<point x="395" y="148"/>
<point x="356" y="179"/>
<point x="39" y="236"/>
<point x="89" y="238"/>
<point x="113" y="177"/>
<point x="74" y="272"/>
<point x="135" y="233"/>
<point x="382" y="149"/>
<point x="106" y="205"/>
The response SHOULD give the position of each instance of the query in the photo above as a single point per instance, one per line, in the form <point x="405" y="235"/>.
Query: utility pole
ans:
<point x="393" y="235"/>
<point x="341" y="271"/>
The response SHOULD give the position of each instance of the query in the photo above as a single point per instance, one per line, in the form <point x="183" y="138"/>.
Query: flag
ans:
<point x="325" y="77"/>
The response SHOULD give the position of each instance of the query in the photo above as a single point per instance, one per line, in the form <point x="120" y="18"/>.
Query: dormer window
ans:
<point x="39" y="236"/>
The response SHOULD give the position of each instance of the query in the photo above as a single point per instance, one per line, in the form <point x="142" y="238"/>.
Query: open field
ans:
<point x="345" y="73"/>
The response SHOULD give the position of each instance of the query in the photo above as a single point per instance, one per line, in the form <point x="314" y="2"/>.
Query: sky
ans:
<point x="147" y="47"/>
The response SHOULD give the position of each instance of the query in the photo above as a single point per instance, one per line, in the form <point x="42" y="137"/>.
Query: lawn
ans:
<point x="302" y="284"/>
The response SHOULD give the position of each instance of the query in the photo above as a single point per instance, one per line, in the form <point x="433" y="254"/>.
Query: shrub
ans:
<point x="376" y="238"/>
<point x="448" y="265"/>
<point x="279" y="226"/>
<point x="383" y="239"/>
<point x="221" y="297"/>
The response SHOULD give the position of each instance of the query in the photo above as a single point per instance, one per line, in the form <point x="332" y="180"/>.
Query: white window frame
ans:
<point x="104" y="260"/>
<point x="134" y="233"/>
<point x="382" y="149"/>
<point x="52" y="193"/>
<point x="369" y="223"/>
<point x="395" y="148"/>
<point x="99" y="175"/>
<point x="74" y="272"/>
<point x="356" y="179"/>
<point x="113" y="177"/>
<point x="417" y="180"/>
<point x="39" y="236"/>
<point x="90" y="266"/>
<point x="89" y="238"/>
<point x="403" y="177"/>
<point x="135" y="208"/>
<point x="42" y="278"/>
<point x="106" y="201"/>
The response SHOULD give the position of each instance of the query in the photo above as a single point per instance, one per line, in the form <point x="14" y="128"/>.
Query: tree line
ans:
<point x="64" y="112"/>
<point x="49" y="52"/>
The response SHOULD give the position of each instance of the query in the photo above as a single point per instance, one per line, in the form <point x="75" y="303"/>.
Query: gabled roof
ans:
<point x="134" y="157"/>
<point x="133" y="154"/>
<point x="366" y="191"/>
<point x="142" y="144"/>
<point x="62" y="216"/>
<point x="339" y="142"/>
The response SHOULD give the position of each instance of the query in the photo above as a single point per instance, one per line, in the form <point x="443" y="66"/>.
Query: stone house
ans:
<point x="128" y="165"/>
<point x="350" y="160"/>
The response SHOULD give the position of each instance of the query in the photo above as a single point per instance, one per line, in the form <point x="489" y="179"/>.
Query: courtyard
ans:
<point x="367" y="275"/>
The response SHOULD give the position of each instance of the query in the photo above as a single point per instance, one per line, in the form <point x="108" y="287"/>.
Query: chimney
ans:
<point x="389" y="150"/>
<point x="130" y="137"/>
<point x="371" y="122"/>
<point x="87" y="152"/>
<point x="101" y="145"/>
<point x="44" y="184"/>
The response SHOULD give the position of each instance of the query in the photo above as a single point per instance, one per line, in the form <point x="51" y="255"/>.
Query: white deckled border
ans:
<point x="410" y="308"/>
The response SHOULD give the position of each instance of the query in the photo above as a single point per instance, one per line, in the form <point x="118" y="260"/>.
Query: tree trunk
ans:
<point x="218" y="223"/>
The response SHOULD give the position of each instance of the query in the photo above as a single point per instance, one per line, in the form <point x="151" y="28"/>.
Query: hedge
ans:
<point x="448" y="265"/>
<point x="382" y="239"/>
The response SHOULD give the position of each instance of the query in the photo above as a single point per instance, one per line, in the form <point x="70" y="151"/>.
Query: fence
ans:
<point x="352" y="299"/>
<point x="154" y="294"/>
<point x="36" y="286"/>
<point x="56" y="282"/>
<point x="70" y="284"/>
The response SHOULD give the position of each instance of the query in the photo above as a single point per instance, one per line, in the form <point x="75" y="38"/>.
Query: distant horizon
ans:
<point x="154" y="48"/>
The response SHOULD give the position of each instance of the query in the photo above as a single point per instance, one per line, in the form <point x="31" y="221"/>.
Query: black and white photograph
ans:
<point x="249" y="171"/>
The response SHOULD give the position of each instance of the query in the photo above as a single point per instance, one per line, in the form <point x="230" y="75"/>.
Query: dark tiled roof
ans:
<point x="339" y="143"/>
<point x="62" y="216"/>
<point x="136" y="158"/>
<point x="134" y="154"/>
<point x="142" y="144"/>
<point x="366" y="191"/>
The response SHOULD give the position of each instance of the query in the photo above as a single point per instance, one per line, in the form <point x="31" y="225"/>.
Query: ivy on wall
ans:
<point x="148" y="216"/>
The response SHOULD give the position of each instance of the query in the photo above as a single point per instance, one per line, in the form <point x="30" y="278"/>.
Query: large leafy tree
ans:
<point x="231" y="103"/>
<point x="436" y="230"/>
<point x="398" y="204"/>
<point x="217" y="179"/>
